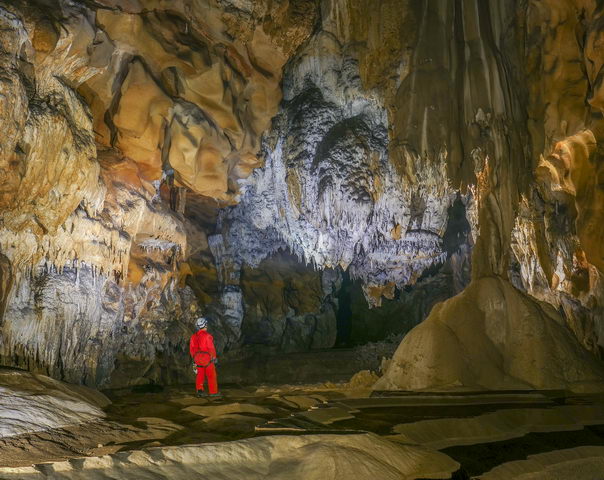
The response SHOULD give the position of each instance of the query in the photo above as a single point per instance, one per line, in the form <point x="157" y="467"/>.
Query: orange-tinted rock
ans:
<point x="121" y="121"/>
<point x="223" y="86"/>
<point x="140" y="118"/>
<point x="573" y="173"/>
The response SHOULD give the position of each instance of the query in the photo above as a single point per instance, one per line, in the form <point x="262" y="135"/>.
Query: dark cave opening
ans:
<point x="358" y="324"/>
<point x="286" y="307"/>
<point x="344" y="312"/>
<point x="458" y="228"/>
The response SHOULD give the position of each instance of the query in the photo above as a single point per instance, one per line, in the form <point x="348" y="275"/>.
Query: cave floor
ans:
<point x="492" y="435"/>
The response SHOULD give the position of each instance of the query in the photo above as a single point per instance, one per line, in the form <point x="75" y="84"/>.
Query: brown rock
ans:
<point x="491" y="336"/>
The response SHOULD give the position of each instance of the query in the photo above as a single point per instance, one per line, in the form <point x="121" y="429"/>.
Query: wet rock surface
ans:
<point x="309" y="175"/>
<point x="421" y="434"/>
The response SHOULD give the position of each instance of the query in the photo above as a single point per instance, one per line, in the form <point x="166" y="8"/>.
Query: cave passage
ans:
<point x="344" y="312"/>
<point x="458" y="228"/>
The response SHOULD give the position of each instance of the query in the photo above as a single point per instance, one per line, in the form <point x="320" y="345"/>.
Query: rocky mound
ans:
<point x="492" y="336"/>
<point x="32" y="403"/>
<point x="308" y="457"/>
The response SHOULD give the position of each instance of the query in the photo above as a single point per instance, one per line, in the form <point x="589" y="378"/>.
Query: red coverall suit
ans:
<point x="201" y="348"/>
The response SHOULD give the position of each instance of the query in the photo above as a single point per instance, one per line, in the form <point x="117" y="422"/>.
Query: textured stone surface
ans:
<point x="465" y="423"/>
<point x="556" y="259"/>
<point x="111" y="112"/>
<point x="297" y="457"/>
<point x="328" y="191"/>
<point x="32" y="403"/>
<point x="235" y="157"/>
<point x="552" y="260"/>
<point x="496" y="426"/>
<point x="491" y="336"/>
<point x="218" y="410"/>
<point x="580" y="462"/>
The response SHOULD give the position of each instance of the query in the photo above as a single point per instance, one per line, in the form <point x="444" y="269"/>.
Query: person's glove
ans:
<point x="215" y="361"/>
<point x="194" y="368"/>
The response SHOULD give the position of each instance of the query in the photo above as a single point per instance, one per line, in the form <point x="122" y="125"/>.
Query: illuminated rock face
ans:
<point x="553" y="258"/>
<point x="557" y="237"/>
<point x="109" y="117"/>
<point x="328" y="191"/>
<point x="163" y="158"/>
<point x="491" y="336"/>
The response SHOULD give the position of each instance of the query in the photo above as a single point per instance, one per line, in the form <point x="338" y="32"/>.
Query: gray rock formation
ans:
<point x="82" y="327"/>
<point x="328" y="192"/>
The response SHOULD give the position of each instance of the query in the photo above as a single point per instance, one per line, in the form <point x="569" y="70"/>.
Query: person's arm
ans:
<point x="211" y="347"/>
<point x="192" y="346"/>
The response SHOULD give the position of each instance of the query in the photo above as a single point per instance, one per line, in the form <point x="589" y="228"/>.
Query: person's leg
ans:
<point x="200" y="378"/>
<point x="212" y="381"/>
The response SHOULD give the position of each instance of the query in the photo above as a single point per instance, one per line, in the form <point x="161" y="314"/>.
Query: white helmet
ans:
<point x="201" y="322"/>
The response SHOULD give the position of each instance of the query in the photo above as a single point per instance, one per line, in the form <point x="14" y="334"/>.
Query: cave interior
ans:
<point x="387" y="215"/>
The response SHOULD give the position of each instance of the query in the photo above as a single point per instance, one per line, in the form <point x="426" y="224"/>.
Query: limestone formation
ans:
<point x="558" y="465"/>
<point x="219" y="410"/>
<point x="553" y="260"/>
<point x="308" y="457"/>
<point x="328" y="191"/>
<point x="265" y="162"/>
<point x="492" y="336"/>
<point x="111" y="113"/>
<point x="495" y="426"/>
<point x="32" y="403"/>
<point x="550" y="260"/>
<point x="420" y="182"/>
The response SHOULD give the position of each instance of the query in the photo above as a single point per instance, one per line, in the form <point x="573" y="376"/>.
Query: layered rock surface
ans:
<point x="492" y="336"/>
<point x="111" y="113"/>
<point x="549" y="257"/>
<point x="456" y="117"/>
<point x="329" y="191"/>
<point x="274" y="457"/>
<point x="31" y="403"/>
<point x="435" y="435"/>
<point x="167" y="157"/>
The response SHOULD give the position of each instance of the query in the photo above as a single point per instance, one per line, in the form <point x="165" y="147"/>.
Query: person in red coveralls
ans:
<point x="201" y="348"/>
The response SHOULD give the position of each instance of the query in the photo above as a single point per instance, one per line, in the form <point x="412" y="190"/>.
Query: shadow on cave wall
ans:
<point x="344" y="312"/>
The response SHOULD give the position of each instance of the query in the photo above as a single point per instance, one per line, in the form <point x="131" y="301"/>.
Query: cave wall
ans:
<point x="329" y="191"/>
<point x="113" y="114"/>
<point x="554" y="257"/>
<point x="165" y="158"/>
<point x="531" y="230"/>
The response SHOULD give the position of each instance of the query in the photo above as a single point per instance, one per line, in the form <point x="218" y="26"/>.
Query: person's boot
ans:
<point x="216" y="395"/>
<point x="201" y="393"/>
